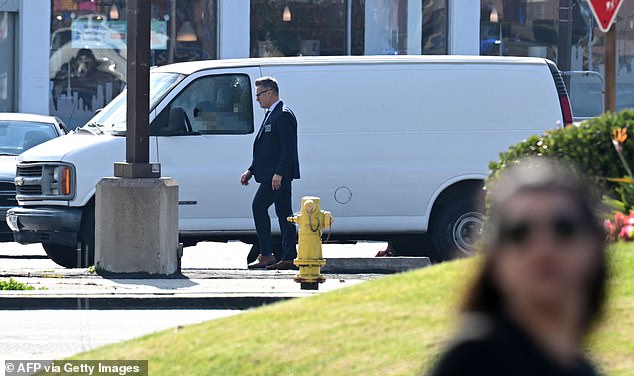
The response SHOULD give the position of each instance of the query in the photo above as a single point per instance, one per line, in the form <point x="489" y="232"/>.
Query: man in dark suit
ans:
<point x="275" y="165"/>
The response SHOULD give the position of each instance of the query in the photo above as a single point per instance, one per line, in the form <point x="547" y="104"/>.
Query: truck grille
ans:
<point x="30" y="171"/>
<point x="30" y="190"/>
<point x="29" y="180"/>
<point x="7" y="194"/>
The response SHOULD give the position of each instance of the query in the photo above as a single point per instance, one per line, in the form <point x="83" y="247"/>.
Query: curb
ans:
<point x="377" y="265"/>
<point x="119" y="302"/>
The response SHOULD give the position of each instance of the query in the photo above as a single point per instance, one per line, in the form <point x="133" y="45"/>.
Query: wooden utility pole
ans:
<point x="137" y="164"/>
<point x="610" y="69"/>
<point x="564" y="39"/>
<point x="136" y="211"/>
<point x="605" y="12"/>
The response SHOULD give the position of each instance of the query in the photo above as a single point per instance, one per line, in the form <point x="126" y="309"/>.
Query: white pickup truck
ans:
<point x="396" y="147"/>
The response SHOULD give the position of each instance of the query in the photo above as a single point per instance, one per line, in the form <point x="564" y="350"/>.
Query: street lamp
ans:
<point x="186" y="33"/>
<point x="494" y="17"/>
<point x="286" y="14"/>
<point x="114" y="12"/>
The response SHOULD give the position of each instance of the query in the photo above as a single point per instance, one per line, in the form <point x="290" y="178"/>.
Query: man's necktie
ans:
<point x="263" y="121"/>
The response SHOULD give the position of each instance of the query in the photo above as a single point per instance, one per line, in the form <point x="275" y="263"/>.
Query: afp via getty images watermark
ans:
<point x="76" y="367"/>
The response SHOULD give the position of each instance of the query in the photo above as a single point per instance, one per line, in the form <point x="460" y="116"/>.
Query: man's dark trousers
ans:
<point x="264" y="198"/>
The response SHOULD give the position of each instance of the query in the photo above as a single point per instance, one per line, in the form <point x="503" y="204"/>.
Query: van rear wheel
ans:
<point x="415" y="245"/>
<point x="456" y="229"/>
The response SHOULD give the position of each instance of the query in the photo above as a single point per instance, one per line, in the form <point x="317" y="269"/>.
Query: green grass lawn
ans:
<point x="395" y="325"/>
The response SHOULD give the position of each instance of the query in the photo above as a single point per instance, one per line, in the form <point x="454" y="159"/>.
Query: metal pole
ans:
<point x="170" y="56"/>
<point x="348" y="13"/>
<point x="610" y="69"/>
<point x="138" y="94"/>
<point x="590" y="41"/>
<point x="500" y="36"/>
<point x="564" y="39"/>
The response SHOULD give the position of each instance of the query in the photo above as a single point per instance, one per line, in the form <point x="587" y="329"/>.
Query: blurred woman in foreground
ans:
<point x="542" y="283"/>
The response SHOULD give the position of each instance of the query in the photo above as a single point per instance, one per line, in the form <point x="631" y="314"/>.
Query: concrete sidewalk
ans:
<point x="231" y="287"/>
<point x="210" y="289"/>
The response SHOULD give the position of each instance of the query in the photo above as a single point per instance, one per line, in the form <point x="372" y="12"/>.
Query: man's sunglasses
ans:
<point x="257" y="95"/>
<point x="562" y="228"/>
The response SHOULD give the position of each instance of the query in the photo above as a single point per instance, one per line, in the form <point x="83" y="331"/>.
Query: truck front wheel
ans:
<point x="82" y="255"/>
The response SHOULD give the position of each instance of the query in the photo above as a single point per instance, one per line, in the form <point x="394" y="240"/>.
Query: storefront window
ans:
<point x="88" y="48"/>
<point x="7" y="61"/>
<point x="519" y="28"/>
<point x="348" y="27"/>
<point x="533" y="28"/>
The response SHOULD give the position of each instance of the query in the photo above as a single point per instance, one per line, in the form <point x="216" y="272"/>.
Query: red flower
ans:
<point x="610" y="230"/>
<point x="621" y="228"/>
<point x="627" y="232"/>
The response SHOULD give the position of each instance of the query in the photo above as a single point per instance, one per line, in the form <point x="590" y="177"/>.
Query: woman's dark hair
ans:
<point x="537" y="175"/>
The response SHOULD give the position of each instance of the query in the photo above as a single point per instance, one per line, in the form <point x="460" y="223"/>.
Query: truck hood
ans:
<point x="7" y="167"/>
<point x="58" y="148"/>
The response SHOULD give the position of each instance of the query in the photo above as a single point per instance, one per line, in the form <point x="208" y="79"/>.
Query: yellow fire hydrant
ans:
<point x="311" y="221"/>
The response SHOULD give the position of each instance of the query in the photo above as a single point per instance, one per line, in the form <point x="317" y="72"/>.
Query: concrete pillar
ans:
<point x="33" y="54"/>
<point x="414" y="27"/>
<point x="463" y="17"/>
<point x="234" y="25"/>
<point x="136" y="226"/>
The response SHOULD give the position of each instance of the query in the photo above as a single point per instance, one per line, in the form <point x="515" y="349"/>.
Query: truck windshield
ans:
<point x="112" y="118"/>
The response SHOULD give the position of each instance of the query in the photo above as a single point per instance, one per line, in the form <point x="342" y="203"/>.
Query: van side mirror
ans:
<point x="173" y="122"/>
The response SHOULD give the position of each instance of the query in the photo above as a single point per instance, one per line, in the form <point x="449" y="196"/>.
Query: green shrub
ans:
<point x="12" y="284"/>
<point x="587" y="146"/>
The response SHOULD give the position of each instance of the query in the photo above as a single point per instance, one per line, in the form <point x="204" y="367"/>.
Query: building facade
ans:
<point x="24" y="49"/>
<point x="84" y="41"/>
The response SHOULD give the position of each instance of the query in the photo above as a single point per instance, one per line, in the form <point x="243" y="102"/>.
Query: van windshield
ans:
<point x="112" y="118"/>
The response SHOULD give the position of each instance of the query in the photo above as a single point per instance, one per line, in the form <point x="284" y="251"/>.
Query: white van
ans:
<point x="396" y="147"/>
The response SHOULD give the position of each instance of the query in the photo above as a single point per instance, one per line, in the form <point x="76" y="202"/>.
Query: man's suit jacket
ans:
<point x="275" y="147"/>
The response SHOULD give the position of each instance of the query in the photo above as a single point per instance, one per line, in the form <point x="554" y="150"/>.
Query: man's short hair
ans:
<point x="268" y="83"/>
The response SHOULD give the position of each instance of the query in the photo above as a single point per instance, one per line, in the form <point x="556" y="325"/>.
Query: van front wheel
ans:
<point x="456" y="229"/>
<point x="82" y="255"/>
<point x="68" y="257"/>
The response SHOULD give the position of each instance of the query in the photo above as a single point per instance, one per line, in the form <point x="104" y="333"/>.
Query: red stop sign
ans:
<point x="605" y="12"/>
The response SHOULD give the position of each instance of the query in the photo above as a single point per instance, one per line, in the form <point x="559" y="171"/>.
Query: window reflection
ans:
<point x="209" y="105"/>
<point x="88" y="48"/>
<point x="533" y="28"/>
<point x="348" y="27"/>
<point x="7" y="59"/>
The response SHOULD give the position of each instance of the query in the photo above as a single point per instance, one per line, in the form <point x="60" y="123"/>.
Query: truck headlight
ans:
<point x="61" y="184"/>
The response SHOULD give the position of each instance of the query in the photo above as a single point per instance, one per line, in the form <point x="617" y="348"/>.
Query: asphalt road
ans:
<point x="54" y="334"/>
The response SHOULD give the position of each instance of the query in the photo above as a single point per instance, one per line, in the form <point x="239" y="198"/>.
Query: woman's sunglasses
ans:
<point x="562" y="228"/>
